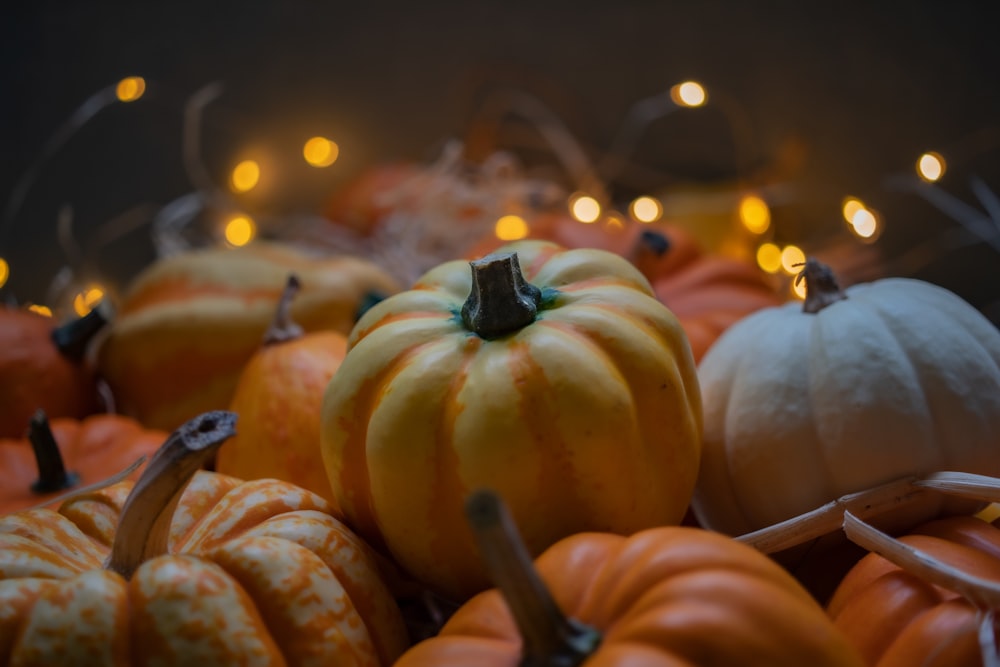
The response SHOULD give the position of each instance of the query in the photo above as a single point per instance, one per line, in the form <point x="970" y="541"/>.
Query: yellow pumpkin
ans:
<point x="855" y="388"/>
<point x="566" y="387"/>
<point x="215" y="572"/>
<point x="189" y="323"/>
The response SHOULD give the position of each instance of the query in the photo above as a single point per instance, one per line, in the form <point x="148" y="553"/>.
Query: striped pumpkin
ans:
<point x="573" y="394"/>
<point x="189" y="323"/>
<point x="236" y="573"/>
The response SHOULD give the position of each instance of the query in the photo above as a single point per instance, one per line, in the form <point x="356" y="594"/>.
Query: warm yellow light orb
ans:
<point x="40" y="309"/>
<point x="245" y="176"/>
<point x="87" y="298"/>
<point x="865" y="223"/>
<point x="688" y="94"/>
<point x="850" y="207"/>
<point x="585" y="208"/>
<point x="239" y="231"/>
<point x="792" y="259"/>
<point x="320" y="152"/>
<point x="799" y="289"/>
<point x="769" y="257"/>
<point x="4" y="271"/>
<point x="930" y="167"/>
<point x="130" y="88"/>
<point x="510" y="228"/>
<point x="646" y="209"/>
<point x="754" y="214"/>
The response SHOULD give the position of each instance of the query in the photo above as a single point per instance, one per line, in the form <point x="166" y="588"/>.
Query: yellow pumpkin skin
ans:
<point x="587" y="418"/>
<point x="189" y="323"/>
<point x="257" y="573"/>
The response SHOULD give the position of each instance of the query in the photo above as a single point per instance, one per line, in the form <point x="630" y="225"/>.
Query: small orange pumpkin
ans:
<point x="42" y="366"/>
<point x="216" y="571"/>
<point x="65" y="453"/>
<point x="664" y="596"/>
<point x="279" y="397"/>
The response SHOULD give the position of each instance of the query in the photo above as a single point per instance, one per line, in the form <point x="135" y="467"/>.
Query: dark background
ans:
<point x="834" y="97"/>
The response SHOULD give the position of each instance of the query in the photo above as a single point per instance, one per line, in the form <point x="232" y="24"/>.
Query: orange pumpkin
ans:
<point x="188" y="324"/>
<point x="898" y="618"/>
<point x="66" y="453"/>
<point x="663" y="596"/>
<point x="216" y="572"/>
<point x="278" y="397"/>
<point x="42" y="366"/>
<point x="362" y="203"/>
<point x="708" y="292"/>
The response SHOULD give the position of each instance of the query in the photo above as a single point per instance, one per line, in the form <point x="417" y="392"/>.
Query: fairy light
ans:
<point x="510" y="228"/>
<point x="40" y="309"/>
<point x="87" y="298"/>
<point x="792" y="258"/>
<point x="584" y="208"/>
<point x="850" y="207"/>
<point x="769" y="257"/>
<point x="4" y="271"/>
<point x="646" y="209"/>
<point x="688" y="94"/>
<point x="930" y="166"/>
<point x="245" y="176"/>
<point x="320" y="152"/>
<point x="239" y="231"/>
<point x="755" y="214"/>
<point x="864" y="223"/>
<point x="130" y="88"/>
<point x="799" y="289"/>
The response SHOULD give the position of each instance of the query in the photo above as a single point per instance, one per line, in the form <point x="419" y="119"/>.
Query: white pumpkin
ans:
<point x="883" y="380"/>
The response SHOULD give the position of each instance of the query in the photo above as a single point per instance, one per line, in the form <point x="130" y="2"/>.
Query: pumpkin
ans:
<point x="43" y="368"/>
<point x="854" y="388"/>
<point x="567" y="386"/>
<point x="366" y="199"/>
<point x="217" y="572"/>
<point x="927" y="598"/>
<point x="278" y="397"/>
<point x="707" y="291"/>
<point x="189" y="323"/>
<point x="65" y="453"/>
<point x="670" y="595"/>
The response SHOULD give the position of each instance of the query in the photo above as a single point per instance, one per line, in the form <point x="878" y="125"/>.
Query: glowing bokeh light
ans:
<point x="239" y="231"/>
<point x="792" y="259"/>
<point x="769" y="257"/>
<point x="245" y="176"/>
<point x="4" y="271"/>
<point x="585" y="208"/>
<point x="40" y="309"/>
<point x="865" y="223"/>
<point x="87" y="298"/>
<point x="850" y="207"/>
<point x="754" y="214"/>
<point x="799" y="289"/>
<point x="688" y="94"/>
<point x="646" y="209"/>
<point x="510" y="228"/>
<point x="930" y="167"/>
<point x="130" y="88"/>
<point x="320" y="152"/>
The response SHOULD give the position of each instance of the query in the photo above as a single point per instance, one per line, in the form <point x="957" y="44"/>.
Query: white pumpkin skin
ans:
<point x="902" y="377"/>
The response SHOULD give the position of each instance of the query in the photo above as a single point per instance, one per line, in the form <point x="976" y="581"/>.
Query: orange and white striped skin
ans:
<point x="587" y="418"/>
<point x="257" y="573"/>
<point x="189" y="323"/>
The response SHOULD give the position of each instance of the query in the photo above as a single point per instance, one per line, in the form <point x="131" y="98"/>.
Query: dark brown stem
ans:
<point x="73" y="337"/>
<point x="549" y="637"/>
<point x="144" y="525"/>
<point x="500" y="301"/>
<point x="649" y="248"/>
<point x="282" y="327"/>
<point x="822" y="288"/>
<point x="52" y="474"/>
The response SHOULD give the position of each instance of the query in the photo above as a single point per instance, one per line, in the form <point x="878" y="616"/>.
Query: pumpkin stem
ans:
<point x="549" y="637"/>
<point x="52" y="474"/>
<point x="500" y="301"/>
<point x="73" y="337"/>
<point x="648" y="249"/>
<point x="283" y="328"/>
<point x="822" y="288"/>
<point x="144" y="525"/>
